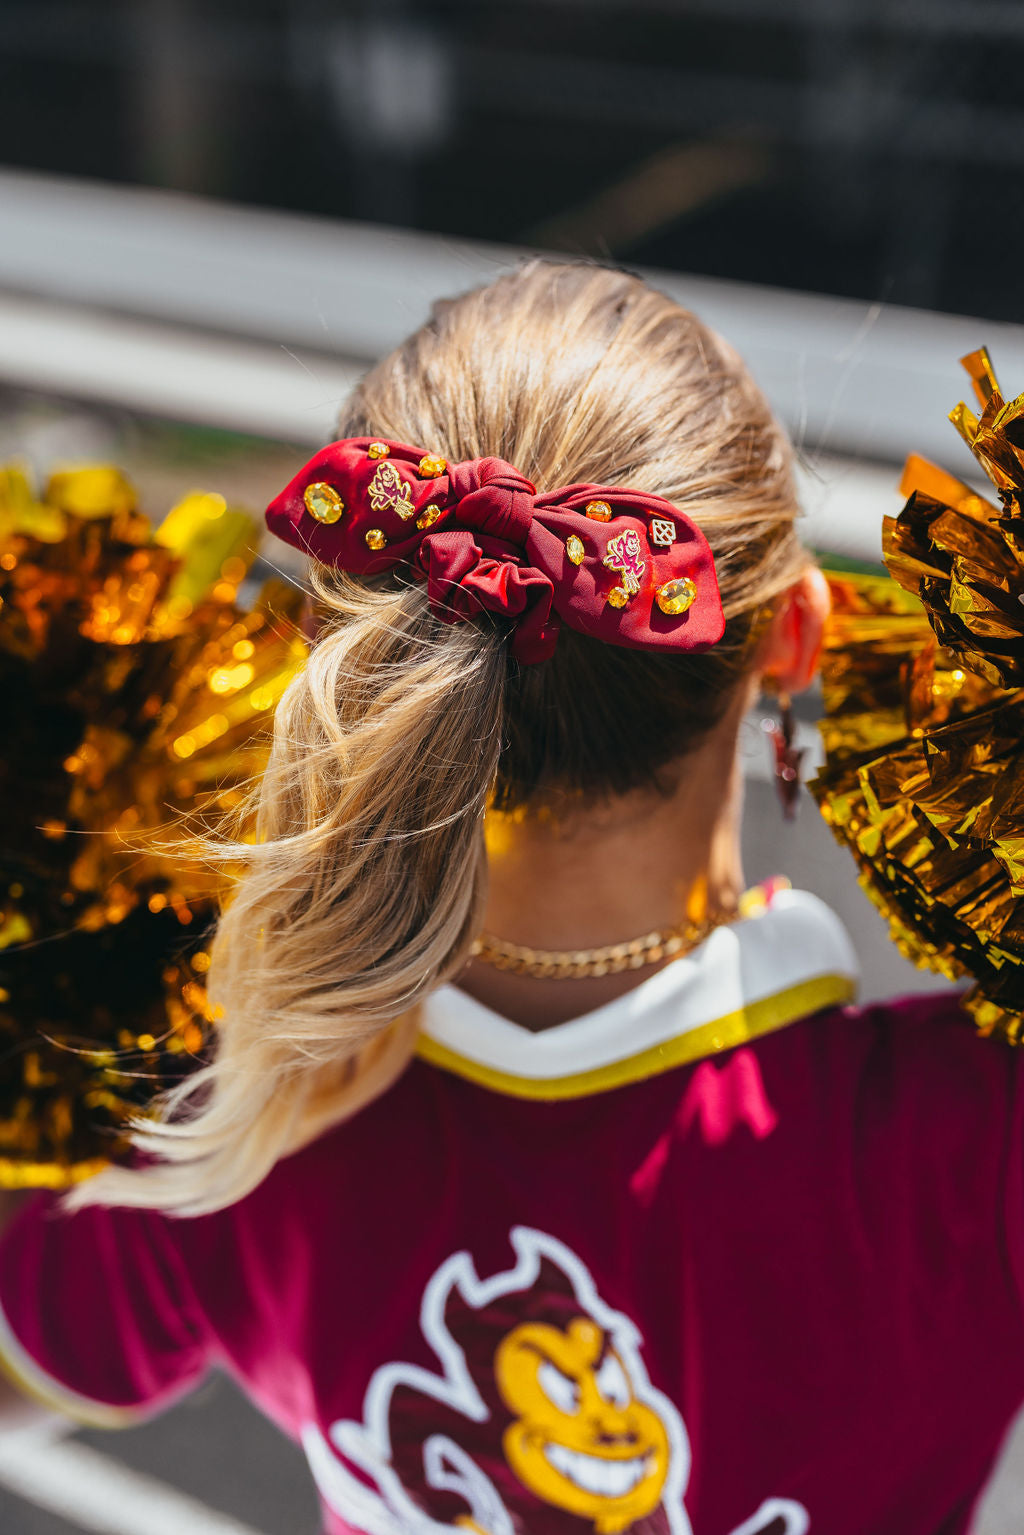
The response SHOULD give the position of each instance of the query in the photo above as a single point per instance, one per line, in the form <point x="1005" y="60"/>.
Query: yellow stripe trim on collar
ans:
<point x="746" y="1023"/>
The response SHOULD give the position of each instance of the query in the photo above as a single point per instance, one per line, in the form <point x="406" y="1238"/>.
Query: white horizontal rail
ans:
<point x="98" y="1494"/>
<point x="844" y="375"/>
<point x="272" y="391"/>
<point x="165" y="370"/>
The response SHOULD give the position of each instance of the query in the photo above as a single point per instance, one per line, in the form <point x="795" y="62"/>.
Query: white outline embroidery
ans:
<point x="798" y="1521"/>
<point x="448" y="1467"/>
<point x="368" y="1444"/>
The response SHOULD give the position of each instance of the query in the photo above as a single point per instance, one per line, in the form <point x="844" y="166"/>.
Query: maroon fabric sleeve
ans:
<point x="100" y="1319"/>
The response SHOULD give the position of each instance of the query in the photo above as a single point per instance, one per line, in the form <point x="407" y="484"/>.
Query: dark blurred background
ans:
<point x="869" y="148"/>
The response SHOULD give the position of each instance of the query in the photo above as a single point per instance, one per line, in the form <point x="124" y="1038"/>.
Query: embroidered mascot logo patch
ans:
<point x="580" y="1438"/>
<point x="389" y="492"/>
<point x="542" y="1419"/>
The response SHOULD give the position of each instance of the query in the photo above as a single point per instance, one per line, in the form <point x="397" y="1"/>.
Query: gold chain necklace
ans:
<point x="575" y="964"/>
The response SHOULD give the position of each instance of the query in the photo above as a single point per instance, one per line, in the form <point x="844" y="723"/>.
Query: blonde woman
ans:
<point x="540" y="1182"/>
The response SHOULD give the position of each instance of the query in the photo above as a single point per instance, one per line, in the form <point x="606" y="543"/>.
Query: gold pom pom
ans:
<point x="163" y="688"/>
<point x="923" y="758"/>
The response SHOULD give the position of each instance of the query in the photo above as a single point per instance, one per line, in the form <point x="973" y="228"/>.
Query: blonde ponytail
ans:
<point x="363" y="855"/>
<point x="364" y="883"/>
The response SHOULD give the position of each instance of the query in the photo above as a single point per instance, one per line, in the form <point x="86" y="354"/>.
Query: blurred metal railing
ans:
<point x="260" y="321"/>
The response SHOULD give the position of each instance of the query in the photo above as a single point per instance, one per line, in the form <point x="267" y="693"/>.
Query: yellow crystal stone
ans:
<point x="428" y="516"/>
<point x="574" y="549"/>
<point x="323" y="502"/>
<point x="617" y="597"/>
<point x="378" y="450"/>
<point x="599" y="510"/>
<point x="376" y="538"/>
<point x="676" y="596"/>
<point x="431" y="465"/>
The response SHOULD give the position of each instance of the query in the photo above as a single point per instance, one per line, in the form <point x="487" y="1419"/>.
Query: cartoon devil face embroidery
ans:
<point x="541" y="1418"/>
<point x="579" y="1438"/>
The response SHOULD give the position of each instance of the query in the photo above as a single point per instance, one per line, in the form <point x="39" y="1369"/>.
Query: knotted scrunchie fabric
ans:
<point x="625" y="567"/>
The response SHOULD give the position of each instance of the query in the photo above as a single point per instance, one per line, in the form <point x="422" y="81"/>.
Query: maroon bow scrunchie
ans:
<point x="617" y="564"/>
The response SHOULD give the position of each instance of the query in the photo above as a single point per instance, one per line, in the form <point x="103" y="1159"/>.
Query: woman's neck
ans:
<point x="590" y="876"/>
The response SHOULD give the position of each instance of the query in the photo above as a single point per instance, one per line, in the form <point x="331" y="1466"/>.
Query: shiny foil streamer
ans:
<point x="137" y="693"/>
<point x="923" y="678"/>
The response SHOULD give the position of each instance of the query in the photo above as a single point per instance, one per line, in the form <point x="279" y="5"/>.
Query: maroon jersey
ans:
<point x="727" y="1256"/>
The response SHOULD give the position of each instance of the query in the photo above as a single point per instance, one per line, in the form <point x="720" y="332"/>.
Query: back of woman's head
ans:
<point x="363" y="844"/>
<point x="576" y="373"/>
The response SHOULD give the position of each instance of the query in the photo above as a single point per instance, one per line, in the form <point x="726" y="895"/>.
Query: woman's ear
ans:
<point x="790" y="648"/>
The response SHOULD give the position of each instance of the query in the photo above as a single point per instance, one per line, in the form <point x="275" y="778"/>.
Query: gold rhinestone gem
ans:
<point x="599" y="510"/>
<point x="574" y="549"/>
<point x="676" y="596"/>
<point x="323" y="502"/>
<point x="378" y="450"/>
<point x="376" y="538"/>
<point x="617" y="598"/>
<point x="428" y="516"/>
<point x="431" y="465"/>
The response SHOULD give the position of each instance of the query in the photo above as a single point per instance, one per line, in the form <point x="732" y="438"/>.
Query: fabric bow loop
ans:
<point x="620" y="565"/>
<point x="492" y="498"/>
<point x="462" y="581"/>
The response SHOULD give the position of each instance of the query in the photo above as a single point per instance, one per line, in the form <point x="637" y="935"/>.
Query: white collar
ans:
<point x="767" y="970"/>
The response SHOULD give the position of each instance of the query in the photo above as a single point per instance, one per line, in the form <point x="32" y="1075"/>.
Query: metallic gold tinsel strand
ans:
<point x="137" y="694"/>
<point x="923" y="679"/>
